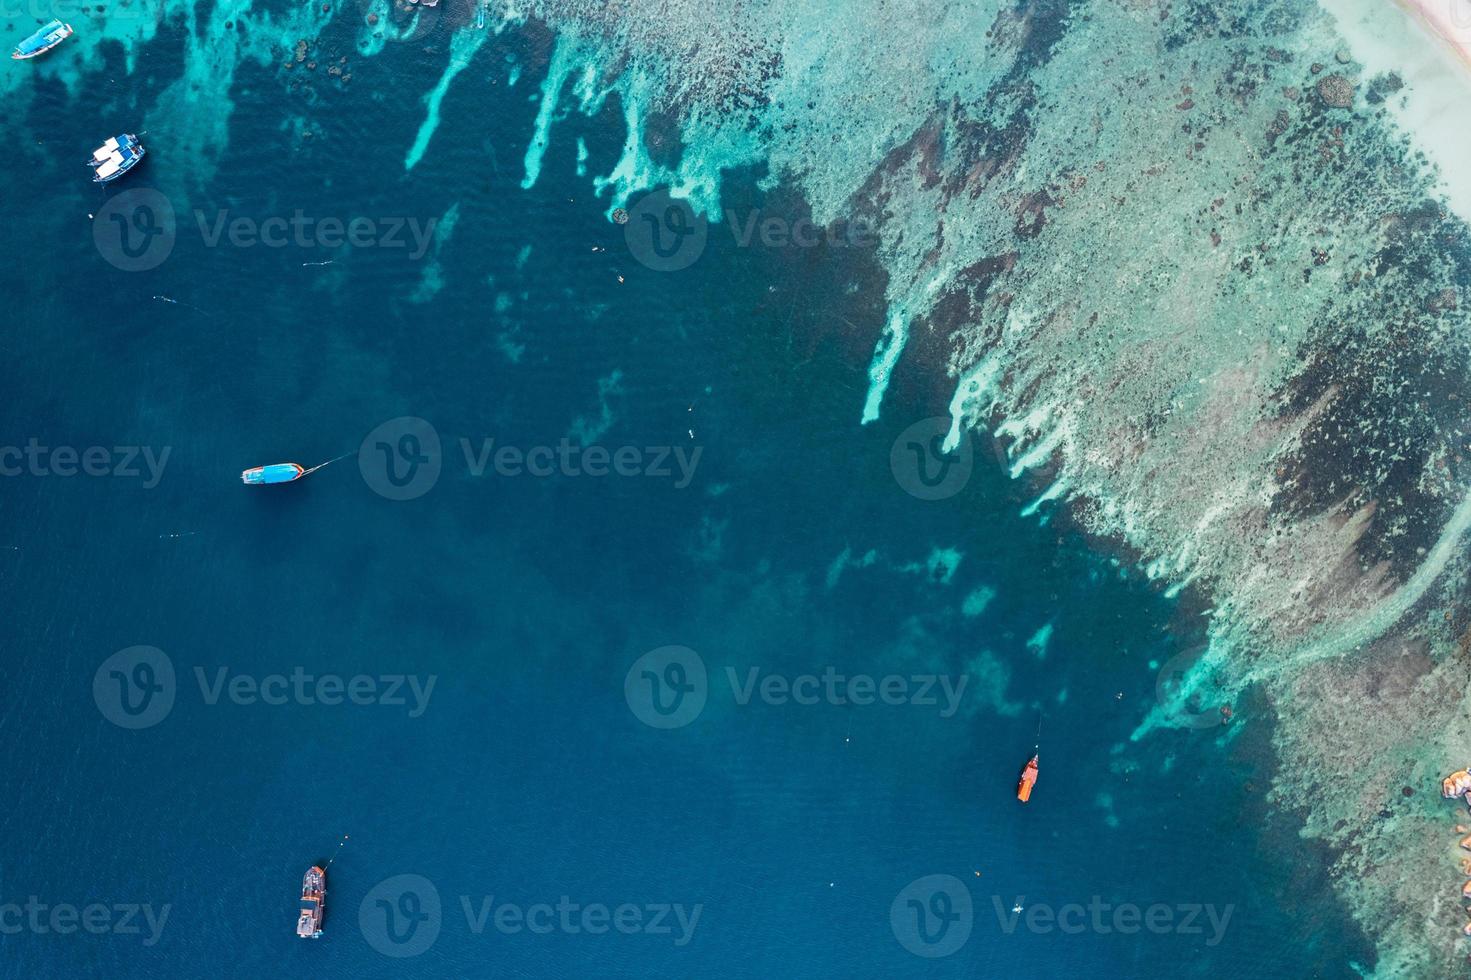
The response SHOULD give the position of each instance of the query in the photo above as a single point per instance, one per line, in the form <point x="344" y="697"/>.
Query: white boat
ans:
<point x="116" y="157"/>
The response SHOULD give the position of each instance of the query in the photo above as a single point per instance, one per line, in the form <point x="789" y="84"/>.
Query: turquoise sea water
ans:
<point x="796" y="830"/>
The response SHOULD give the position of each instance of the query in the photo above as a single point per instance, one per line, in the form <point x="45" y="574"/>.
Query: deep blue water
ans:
<point x="527" y="777"/>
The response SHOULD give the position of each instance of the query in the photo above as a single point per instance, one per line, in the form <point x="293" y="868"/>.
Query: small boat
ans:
<point x="116" y="157"/>
<point x="42" y="41"/>
<point x="1028" y="780"/>
<point x="273" y="473"/>
<point x="313" y="903"/>
<point x="283" y="472"/>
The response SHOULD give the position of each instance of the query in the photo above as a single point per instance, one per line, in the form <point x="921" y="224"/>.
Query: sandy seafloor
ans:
<point x="1201" y="335"/>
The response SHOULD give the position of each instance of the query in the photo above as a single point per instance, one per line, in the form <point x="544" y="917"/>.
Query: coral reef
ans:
<point x="1208" y="286"/>
<point x="1222" y="315"/>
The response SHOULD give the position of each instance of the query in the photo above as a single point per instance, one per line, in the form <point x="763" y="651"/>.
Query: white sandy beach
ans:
<point x="1450" y="20"/>
<point x="1428" y="44"/>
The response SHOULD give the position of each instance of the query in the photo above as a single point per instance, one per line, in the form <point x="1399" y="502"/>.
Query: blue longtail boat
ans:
<point x="273" y="473"/>
<point x="48" y="37"/>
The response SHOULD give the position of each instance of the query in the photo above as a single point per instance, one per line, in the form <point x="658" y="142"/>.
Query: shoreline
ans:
<point x="1447" y="20"/>
<point x="1427" y="45"/>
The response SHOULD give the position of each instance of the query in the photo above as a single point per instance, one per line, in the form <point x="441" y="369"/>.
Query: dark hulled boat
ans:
<point x="313" y="903"/>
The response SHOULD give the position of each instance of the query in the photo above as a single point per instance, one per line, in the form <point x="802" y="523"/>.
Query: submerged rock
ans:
<point x="1456" y="784"/>
<point x="1442" y="301"/>
<point x="1336" y="91"/>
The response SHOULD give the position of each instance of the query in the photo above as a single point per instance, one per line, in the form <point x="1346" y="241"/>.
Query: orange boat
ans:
<point x="1028" y="780"/>
<point x="313" y="898"/>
